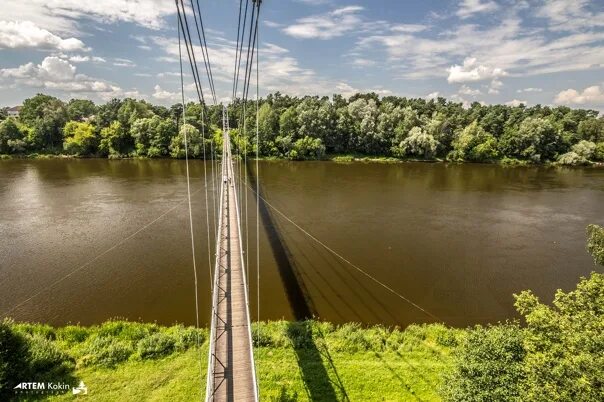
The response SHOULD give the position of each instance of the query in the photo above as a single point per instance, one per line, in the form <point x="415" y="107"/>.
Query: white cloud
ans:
<point x="466" y="90"/>
<point x="408" y="28"/>
<point x="56" y="74"/>
<point x="63" y="15"/>
<point x="163" y="95"/>
<point x="433" y="95"/>
<point x="361" y="62"/>
<point x="467" y="8"/>
<point x="516" y="102"/>
<point x="120" y="62"/>
<point x="26" y="34"/>
<point x="569" y="15"/>
<point x="326" y="26"/>
<point x="471" y="71"/>
<point x="530" y="89"/>
<point x="347" y="90"/>
<point x="82" y="59"/>
<point x="592" y="95"/>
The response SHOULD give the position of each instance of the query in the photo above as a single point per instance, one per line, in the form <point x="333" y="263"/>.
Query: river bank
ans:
<point x="296" y="361"/>
<point x="338" y="158"/>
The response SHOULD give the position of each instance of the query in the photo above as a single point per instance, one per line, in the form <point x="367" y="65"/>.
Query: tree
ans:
<point x="9" y="131"/>
<point x="584" y="149"/>
<point x="79" y="138"/>
<point x="572" y="159"/>
<point x="599" y="152"/>
<point x="307" y="148"/>
<point x="418" y="143"/>
<point x="488" y="366"/>
<point x="115" y="140"/>
<point x="194" y="143"/>
<point x="474" y="144"/>
<point x="152" y="136"/>
<point x="131" y="110"/>
<point x="537" y="139"/>
<point x="595" y="243"/>
<point x="79" y="109"/>
<point x="564" y="344"/>
<point x="47" y="115"/>
<point x="592" y="129"/>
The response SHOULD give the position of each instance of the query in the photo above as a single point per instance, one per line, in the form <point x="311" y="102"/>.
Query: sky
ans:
<point x="548" y="52"/>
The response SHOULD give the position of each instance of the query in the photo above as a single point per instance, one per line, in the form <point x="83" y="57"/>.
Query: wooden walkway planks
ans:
<point x="231" y="372"/>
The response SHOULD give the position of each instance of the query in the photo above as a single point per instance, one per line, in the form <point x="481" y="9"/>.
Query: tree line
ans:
<point x="310" y="127"/>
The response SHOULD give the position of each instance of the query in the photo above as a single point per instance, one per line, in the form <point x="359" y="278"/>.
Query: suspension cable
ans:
<point x="338" y="255"/>
<point x="184" y="129"/>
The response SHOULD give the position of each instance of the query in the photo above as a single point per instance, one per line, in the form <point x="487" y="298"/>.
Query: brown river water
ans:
<point x="82" y="241"/>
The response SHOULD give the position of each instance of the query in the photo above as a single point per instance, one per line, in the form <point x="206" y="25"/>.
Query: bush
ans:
<point x="13" y="349"/>
<point x="107" y="352"/>
<point x="599" y="152"/>
<point x="46" y="361"/>
<point x="584" y="149"/>
<point x="487" y="366"/>
<point x="572" y="159"/>
<point x="565" y="344"/>
<point x="155" y="346"/>
<point x="595" y="243"/>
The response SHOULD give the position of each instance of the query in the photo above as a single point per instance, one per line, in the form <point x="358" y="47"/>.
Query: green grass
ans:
<point x="296" y="361"/>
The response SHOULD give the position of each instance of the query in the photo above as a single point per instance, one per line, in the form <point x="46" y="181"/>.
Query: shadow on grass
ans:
<point x="310" y="355"/>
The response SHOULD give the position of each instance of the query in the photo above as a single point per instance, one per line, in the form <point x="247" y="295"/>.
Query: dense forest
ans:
<point x="310" y="127"/>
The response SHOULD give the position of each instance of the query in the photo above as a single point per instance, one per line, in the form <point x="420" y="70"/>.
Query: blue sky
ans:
<point x="493" y="51"/>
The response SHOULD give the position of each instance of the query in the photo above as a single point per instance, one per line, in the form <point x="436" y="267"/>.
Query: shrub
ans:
<point x="564" y="343"/>
<point x="572" y="159"/>
<point x="155" y="346"/>
<point x="107" y="352"/>
<point x="487" y="366"/>
<point x="13" y="349"/>
<point x="73" y="334"/>
<point x="584" y="149"/>
<point x="599" y="152"/>
<point x="595" y="243"/>
<point x="46" y="361"/>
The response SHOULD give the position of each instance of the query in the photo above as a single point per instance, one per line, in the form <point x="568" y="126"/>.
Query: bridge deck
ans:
<point x="231" y="361"/>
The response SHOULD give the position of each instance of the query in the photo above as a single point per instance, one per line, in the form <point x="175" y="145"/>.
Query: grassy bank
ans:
<point x="297" y="361"/>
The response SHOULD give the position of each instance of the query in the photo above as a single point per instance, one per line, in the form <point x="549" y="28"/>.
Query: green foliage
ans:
<point x="474" y="144"/>
<point x="488" y="366"/>
<point x="152" y="136"/>
<point x="115" y="140"/>
<point x="80" y="109"/>
<point x="585" y="149"/>
<point x="599" y="152"/>
<point x="364" y="125"/>
<point x="595" y="243"/>
<point x="107" y="351"/>
<point x="194" y="143"/>
<point x="572" y="159"/>
<point x="9" y="133"/>
<point x="13" y="361"/>
<point x="307" y="148"/>
<point x="27" y="354"/>
<point x="47" y="116"/>
<point x="564" y="344"/>
<point x="537" y="140"/>
<point x="155" y="346"/>
<point x="418" y="143"/>
<point x="79" y="138"/>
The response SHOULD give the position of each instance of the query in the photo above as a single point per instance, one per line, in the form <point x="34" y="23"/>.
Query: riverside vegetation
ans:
<point x="363" y="125"/>
<point x="555" y="354"/>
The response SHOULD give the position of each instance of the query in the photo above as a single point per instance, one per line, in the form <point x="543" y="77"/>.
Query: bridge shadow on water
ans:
<point x="297" y="295"/>
<point x="315" y="364"/>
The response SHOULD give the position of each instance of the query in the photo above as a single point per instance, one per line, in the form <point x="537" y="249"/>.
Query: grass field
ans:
<point x="296" y="361"/>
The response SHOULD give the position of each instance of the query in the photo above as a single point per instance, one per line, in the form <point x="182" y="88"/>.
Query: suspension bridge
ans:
<point x="231" y="369"/>
<point x="231" y="366"/>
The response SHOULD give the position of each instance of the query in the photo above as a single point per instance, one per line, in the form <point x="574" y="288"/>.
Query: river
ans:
<point x="82" y="241"/>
